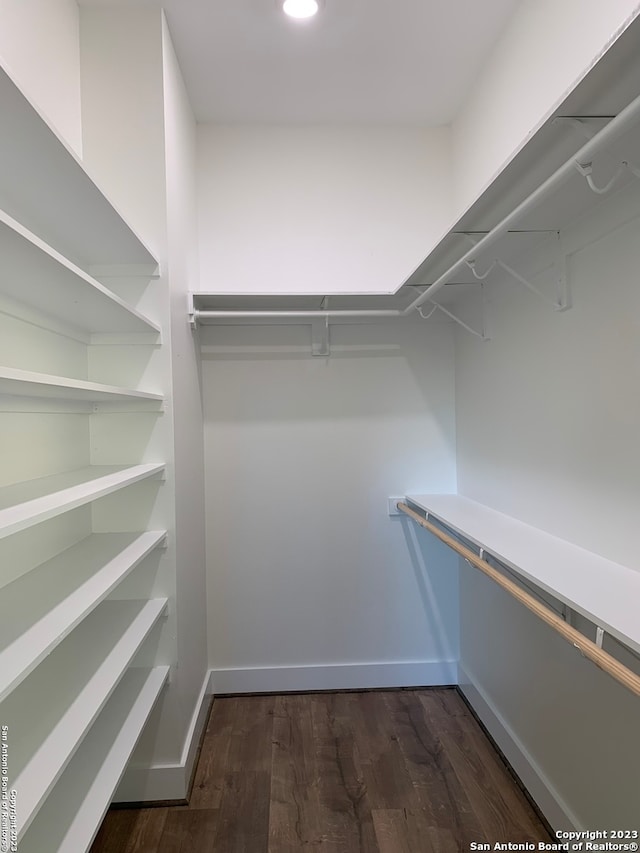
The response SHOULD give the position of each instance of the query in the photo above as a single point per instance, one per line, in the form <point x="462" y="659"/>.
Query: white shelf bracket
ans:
<point x="635" y="171"/>
<point x="320" y="337"/>
<point x="560" y="303"/>
<point x="581" y="124"/>
<point x="482" y="333"/>
<point x="586" y="170"/>
<point x="557" y="304"/>
<point x="563" y="293"/>
<point x="191" y="312"/>
<point x="456" y="319"/>
<point x="599" y="636"/>
<point x="424" y="316"/>
<point x="472" y="267"/>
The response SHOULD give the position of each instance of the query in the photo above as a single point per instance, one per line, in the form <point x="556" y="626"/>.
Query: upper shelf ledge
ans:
<point x="47" y="188"/>
<point x="604" y="592"/>
<point x="551" y="180"/>
<point x="543" y="211"/>
<point x="33" y="273"/>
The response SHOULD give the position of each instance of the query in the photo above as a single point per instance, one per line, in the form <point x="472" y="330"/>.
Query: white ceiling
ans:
<point x="359" y="61"/>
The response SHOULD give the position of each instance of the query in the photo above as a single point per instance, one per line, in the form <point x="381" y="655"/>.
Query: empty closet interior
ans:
<point x="242" y="366"/>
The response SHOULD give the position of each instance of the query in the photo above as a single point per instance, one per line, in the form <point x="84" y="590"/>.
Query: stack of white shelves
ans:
<point x="73" y="695"/>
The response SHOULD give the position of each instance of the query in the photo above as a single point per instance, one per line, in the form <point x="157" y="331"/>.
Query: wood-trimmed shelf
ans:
<point x="89" y="664"/>
<point x="41" y="608"/>
<point x="35" y="274"/>
<point x="49" y="190"/>
<point x="71" y="816"/>
<point x="25" y="504"/>
<point x="604" y="592"/>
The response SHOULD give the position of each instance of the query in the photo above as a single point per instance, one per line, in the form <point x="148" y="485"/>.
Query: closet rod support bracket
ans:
<point x="320" y="338"/>
<point x="561" y="303"/>
<point x="478" y="334"/>
<point x="581" y="124"/>
<point x="586" y="170"/>
<point x="483" y="333"/>
<point x="192" y="314"/>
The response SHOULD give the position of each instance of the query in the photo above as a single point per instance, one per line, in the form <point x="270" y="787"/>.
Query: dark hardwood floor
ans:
<point x="406" y="771"/>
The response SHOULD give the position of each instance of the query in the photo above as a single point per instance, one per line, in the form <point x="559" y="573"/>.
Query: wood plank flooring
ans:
<point x="407" y="771"/>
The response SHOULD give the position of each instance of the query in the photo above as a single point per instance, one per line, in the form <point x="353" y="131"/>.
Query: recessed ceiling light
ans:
<point x="300" y="8"/>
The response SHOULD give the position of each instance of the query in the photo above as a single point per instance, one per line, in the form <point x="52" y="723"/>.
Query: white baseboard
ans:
<point x="550" y="803"/>
<point x="196" y="731"/>
<point x="356" y="676"/>
<point x="171" y="782"/>
<point x="168" y="781"/>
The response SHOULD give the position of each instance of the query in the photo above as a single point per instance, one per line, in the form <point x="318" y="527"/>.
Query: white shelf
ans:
<point x="27" y="383"/>
<point x="604" y="592"/>
<point x="33" y="273"/>
<point x="609" y="87"/>
<point x="71" y="817"/>
<point x="77" y="680"/>
<point x="47" y="188"/>
<point x="25" y="504"/>
<point x="39" y="609"/>
<point x="604" y="91"/>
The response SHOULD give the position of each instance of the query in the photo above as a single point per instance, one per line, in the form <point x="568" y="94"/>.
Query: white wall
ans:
<point x="40" y="46"/>
<point x="306" y="570"/>
<point x="547" y="424"/>
<point x="139" y="138"/>
<point x="123" y="114"/>
<point x="546" y="48"/>
<point x="180" y="147"/>
<point x="319" y="209"/>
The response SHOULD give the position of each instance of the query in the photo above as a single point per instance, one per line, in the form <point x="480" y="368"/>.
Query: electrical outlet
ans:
<point x="392" y="505"/>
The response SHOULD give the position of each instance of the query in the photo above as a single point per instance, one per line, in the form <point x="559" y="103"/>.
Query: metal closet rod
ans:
<point x="615" y="128"/>
<point x="586" y="647"/>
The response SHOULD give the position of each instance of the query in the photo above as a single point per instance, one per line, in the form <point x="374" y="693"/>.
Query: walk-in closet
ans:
<point x="319" y="357"/>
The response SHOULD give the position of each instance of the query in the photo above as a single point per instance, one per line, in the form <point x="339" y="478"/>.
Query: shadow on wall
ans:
<point x="388" y="370"/>
<point x="436" y="571"/>
<point x="305" y="565"/>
